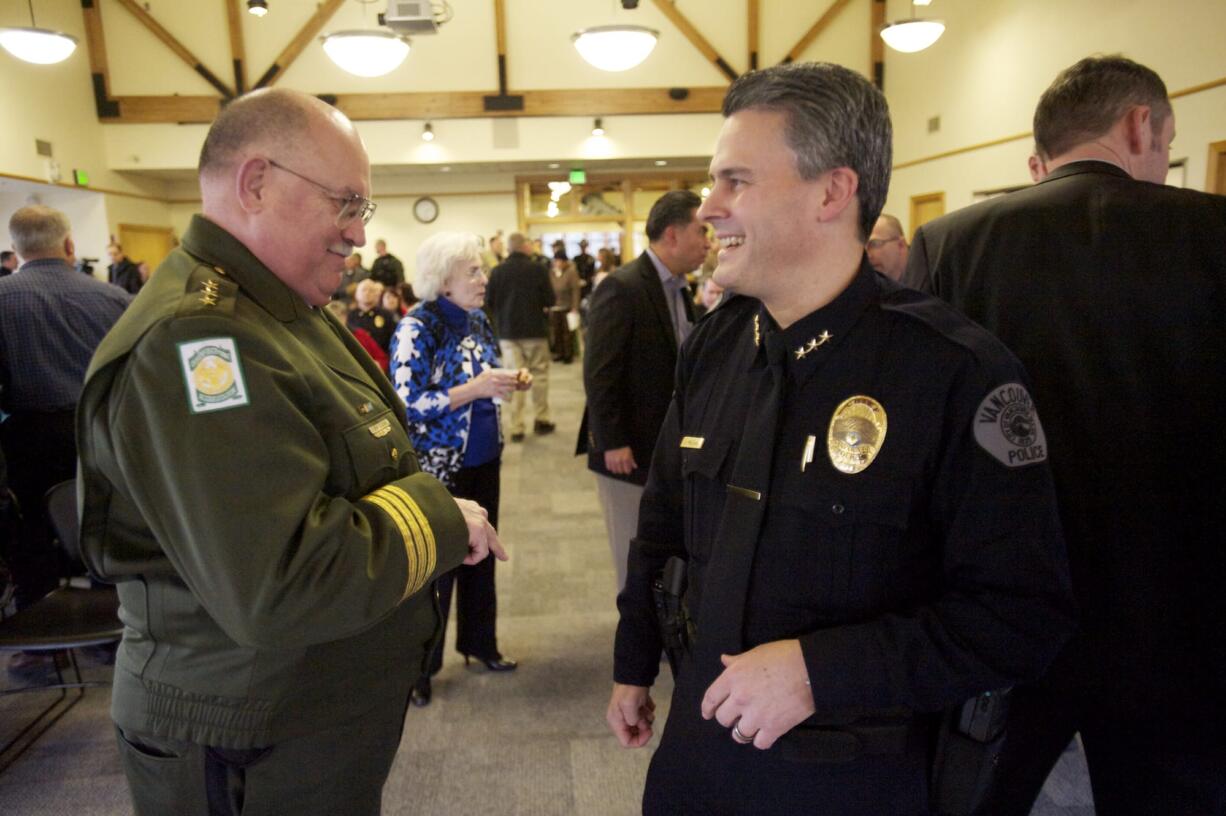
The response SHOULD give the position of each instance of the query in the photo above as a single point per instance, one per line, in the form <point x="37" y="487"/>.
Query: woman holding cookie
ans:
<point x="444" y="365"/>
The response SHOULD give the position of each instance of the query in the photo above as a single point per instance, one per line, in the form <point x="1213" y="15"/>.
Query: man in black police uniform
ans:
<point x="1108" y="285"/>
<point x="856" y="476"/>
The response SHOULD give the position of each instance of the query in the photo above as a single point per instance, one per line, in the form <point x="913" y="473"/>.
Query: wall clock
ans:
<point x="425" y="209"/>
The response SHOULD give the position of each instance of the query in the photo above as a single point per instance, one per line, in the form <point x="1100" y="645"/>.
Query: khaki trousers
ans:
<point x="533" y="354"/>
<point x="619" y="502"/>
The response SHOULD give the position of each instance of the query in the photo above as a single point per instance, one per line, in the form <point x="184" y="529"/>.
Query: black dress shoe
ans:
<point x="420" y="695"/>
<point x="517" y="437"/>
<point x="543" y="428"/>
<point x="494" y="664"/>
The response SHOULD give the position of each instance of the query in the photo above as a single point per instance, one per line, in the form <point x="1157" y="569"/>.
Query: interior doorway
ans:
<point x="1215" y="181"/>
<point x="924" y="208"/>
<point x="142" y="242"/>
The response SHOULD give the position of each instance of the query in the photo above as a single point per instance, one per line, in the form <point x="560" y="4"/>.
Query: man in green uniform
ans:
<point x="247" y="480"/>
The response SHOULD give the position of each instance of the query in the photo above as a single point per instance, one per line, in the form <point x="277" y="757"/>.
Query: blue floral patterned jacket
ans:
<point x="428" y="358"/>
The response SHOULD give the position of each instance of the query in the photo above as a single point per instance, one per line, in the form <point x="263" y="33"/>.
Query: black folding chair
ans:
<point x="65" y="619"/>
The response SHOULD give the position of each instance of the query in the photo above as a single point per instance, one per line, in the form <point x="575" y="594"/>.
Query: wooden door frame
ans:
<point x="919" y="200"/>
<point x="1217" y="156"/>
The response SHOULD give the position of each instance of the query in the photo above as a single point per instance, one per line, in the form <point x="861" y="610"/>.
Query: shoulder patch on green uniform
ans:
<point x="1007" y="426"/>
<point x="213" y="374"/>
<point x="208" y="289"/>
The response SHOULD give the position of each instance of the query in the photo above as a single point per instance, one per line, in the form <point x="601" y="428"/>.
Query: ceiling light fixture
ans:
<point x="914" y="34"/>
<point x="37" y="45"/>
<point x="427" y="133"/>
<point x="257" y="7"/>
<point x="369" y="53"/>
<point x="615" y="47"/>
<point x="598" y="127"/>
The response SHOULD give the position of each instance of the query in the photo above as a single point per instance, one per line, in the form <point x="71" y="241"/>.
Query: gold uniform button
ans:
<point x="365" y="408"/>
<point x="395" y="454"/>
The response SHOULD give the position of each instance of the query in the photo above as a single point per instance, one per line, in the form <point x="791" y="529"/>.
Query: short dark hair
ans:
<point x="1086" y="100"/>
<point x="674" y="207"/>
<point x="835" y="118"/>
<point x="6" y="254"/>
<point x="271" y="115"/>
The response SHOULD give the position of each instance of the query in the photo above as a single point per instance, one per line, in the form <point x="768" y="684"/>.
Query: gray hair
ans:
<point x="436" y="257"/>
<point x="38" y="230"/>
<point x="835" y="118"/>
<point x="1086" y="100"/>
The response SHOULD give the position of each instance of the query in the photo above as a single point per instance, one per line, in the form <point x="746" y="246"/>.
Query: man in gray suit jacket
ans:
<point x="638" y="318"/>
<point x="1109" y="286"/>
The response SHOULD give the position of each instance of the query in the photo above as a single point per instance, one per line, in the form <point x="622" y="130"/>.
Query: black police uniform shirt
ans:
<point x="378" y="322"/>
<point x="932" y="571"/>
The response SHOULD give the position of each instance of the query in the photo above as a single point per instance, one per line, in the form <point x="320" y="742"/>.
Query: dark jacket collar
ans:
<point x="214" y="246"/>
<point x="1085" y="166"/>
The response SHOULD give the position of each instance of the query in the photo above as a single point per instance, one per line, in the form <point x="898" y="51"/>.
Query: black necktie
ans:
<point x="726" y="584"/>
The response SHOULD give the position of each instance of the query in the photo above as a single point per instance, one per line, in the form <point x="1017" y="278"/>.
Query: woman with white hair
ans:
<point x="444" y="364"/>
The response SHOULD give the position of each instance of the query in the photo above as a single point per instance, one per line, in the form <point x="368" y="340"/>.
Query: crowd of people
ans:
<point x="882" y="583"/>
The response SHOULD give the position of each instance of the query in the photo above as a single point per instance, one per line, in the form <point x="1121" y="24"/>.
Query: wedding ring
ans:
<point x="738" y="735"/>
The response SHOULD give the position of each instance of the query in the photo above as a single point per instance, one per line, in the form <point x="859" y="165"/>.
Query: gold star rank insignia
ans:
<point x="814" y="343"/>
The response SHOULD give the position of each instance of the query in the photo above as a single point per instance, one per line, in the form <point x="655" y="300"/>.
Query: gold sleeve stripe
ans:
<point x="423" y="558"/>
<point x="406" y="536"/>
<point x="427" y="533"/>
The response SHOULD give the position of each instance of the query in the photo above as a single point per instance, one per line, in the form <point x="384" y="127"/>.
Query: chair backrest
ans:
<point x="61" y="501"/>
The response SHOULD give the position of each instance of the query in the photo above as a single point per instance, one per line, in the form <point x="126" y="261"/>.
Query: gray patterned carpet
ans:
<point x="532" y="742"/>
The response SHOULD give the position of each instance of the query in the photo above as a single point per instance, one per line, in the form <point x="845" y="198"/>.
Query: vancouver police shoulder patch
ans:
<point x="213" y="374"/>
<point x="1007" y="426"/>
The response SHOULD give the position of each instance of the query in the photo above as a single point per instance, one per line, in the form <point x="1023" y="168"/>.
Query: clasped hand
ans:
<point x="764" y="692"/>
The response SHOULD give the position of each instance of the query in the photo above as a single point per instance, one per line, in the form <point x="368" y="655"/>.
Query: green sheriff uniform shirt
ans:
<point x="247" y="481"/>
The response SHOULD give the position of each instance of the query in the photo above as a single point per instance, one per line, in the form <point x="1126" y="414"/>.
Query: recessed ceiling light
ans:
<point x="446" y="168"/>
<point x="660" y="162"/>
<point x="554" y="165"/>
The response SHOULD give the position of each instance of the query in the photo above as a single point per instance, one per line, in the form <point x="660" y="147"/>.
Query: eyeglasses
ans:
<point x="353" y="206"/>
<point x="878" y="243"/>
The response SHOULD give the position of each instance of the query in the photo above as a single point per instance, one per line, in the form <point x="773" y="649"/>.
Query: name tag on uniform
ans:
<point x="692" y="442"/>
<point x="381" y="428"/>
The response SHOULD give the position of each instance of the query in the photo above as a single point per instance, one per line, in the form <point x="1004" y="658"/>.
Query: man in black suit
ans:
<point x="638" y="318"/>
<point x="1109" y="287"/>
<point x="122" y="272"/>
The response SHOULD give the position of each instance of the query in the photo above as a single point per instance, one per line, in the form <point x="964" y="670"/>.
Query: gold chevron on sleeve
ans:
<point x="415" y="531"/>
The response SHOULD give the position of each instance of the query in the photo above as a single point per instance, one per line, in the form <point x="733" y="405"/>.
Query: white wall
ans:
<point x="985" y="75"/>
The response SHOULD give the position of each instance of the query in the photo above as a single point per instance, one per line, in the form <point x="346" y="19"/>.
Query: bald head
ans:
<point x="887" y="247"/>
<point x="272" y="120"/>
<point x="280" y="171"/>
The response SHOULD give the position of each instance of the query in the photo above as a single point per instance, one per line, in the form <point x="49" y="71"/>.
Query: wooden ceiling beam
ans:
<point x="443" y="105"/>
<point x="296" y="46"/>
<point x="179" y="110"/>
<point x="817" y="28"/>
<point x="238" y="54"/>
<point x="669" y="10"/>
<point x="876" y="45"/>
<point x="180" y="50"/>
<point x="754" y="14"/>
<point x="95" y="44"/>
<point x="503" y="100"/>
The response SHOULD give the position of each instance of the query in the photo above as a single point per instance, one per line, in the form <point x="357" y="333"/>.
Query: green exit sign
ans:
<point x="81" y="178"/>
<point x="578" y="176"/>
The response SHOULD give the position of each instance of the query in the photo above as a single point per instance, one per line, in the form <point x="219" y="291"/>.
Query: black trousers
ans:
<point x="40" y="451"/>
<point x="1141" y="763"/>
<point x="476" y="601"/>
<point x="699" y="770"/>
